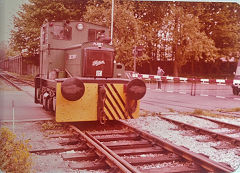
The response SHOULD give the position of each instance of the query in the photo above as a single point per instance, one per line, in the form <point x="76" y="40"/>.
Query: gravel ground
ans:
<point x="207" y="124"/>
<point x="164" y="129"/>
<point x="152" y="124"/>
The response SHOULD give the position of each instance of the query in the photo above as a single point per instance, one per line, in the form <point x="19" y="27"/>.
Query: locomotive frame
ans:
<point x="79" y="79"/>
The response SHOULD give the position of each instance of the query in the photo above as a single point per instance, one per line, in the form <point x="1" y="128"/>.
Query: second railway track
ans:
<point x="20" y="84"/>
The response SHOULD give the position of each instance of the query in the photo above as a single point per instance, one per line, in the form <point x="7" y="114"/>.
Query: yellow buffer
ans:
<point x="84" y="109"/>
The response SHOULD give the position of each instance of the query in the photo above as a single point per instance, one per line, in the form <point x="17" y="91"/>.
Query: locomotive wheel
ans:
<point x="37" y="89"/>
<point x="36" y="96"/>
<point x="45" y="104"/>
<point x="50" y="104"/>
<point x="41" y="98"/>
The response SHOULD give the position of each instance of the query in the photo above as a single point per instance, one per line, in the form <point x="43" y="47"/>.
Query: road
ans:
<point x="19" y="105"/>
<point x="173" y="96"/>
<point x="177" y="96"/>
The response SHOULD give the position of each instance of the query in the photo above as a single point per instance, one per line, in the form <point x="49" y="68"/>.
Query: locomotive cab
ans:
<point x="79" y="79"/>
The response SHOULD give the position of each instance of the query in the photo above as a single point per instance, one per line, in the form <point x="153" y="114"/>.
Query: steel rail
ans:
<point x="234" y="141"/>
<point x="9" y="81"/>
<point x="122" y="161"/>
<point x="112" y="159"/>
<point x="220" y="122"/>
<point x="29" y="82"/>
<point x="203" y="161"/>
<point x="14" y="84"/>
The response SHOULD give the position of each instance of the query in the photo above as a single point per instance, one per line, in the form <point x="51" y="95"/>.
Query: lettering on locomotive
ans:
<point x="98" y="62"/>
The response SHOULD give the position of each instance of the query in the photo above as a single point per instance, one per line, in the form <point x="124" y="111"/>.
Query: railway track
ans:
<point x="118" y="147"/>
<point x="122" y="148"/>
<point x="224" y="131"/>
<point x="19" y="84"/>
<point x="16" y="81"/>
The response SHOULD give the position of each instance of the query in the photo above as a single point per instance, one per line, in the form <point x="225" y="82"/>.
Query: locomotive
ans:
<point x="79" y="78"/>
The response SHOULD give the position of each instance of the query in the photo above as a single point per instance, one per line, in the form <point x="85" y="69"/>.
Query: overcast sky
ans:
<point x="8" y="8"/>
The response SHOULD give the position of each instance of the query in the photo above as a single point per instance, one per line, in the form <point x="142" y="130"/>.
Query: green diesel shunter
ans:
<point x="79" y="79"/>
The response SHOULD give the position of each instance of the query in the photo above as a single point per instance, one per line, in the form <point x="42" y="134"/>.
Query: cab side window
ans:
<point x="91" y="35"/>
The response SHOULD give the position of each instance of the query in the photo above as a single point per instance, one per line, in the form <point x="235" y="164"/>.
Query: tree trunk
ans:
<point x="192" y="65"/>
<point x="175" y="69"/>
<point x="151" y="68"/>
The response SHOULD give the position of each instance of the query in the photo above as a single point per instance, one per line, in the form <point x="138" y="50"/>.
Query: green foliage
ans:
<point x="14" y="153"/>
<point x="127" y="31"/>
<point x="175" y="31"/>
<point x="187" y="40"/>
<point x="221" y="23"/>
<point x="6" y="51"/>
<point x="3" y="47"/>
<point x="151" y="14"/>
<point x="26" y="33"/>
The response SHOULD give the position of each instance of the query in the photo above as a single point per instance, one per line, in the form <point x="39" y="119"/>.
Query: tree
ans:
<point x="151" y="14"/>
<point x="3" y="47"/>
<point x="6" y="51"/>
<point x="187" y="40"/>
<point x="127" y="28"/>
<point x="26" y="33"/>
<point x="222" y="24"/>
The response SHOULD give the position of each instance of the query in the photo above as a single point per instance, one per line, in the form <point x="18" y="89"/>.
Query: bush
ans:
<point x="14" y="153"/>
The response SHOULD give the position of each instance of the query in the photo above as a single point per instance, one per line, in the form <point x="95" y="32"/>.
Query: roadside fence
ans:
<point x="193" y="86"/>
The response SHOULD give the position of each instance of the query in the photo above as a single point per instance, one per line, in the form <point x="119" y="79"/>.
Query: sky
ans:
<point x="8" y="8"/>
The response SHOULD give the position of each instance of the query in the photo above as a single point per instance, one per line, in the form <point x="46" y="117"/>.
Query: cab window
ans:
<point x="62" y="32"/>
<point x="94" y="35"/>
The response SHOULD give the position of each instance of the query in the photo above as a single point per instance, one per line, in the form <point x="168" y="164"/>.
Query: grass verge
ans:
<point x="237" y="109"/>
<point x="14" y="153"/>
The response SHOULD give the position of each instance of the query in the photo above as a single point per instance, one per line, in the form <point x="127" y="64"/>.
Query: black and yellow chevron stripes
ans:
<point x="114" y="107"/>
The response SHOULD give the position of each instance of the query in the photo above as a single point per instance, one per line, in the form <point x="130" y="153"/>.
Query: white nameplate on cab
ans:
<point x="72" y="56"/>
<point x="99" y="73"/>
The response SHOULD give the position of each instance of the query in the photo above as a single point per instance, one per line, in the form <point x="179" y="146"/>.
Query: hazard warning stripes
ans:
<point x="114" y="106"/>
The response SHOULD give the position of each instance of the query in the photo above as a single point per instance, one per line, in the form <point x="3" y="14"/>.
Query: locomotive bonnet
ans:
<point x="79" y="79"/>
